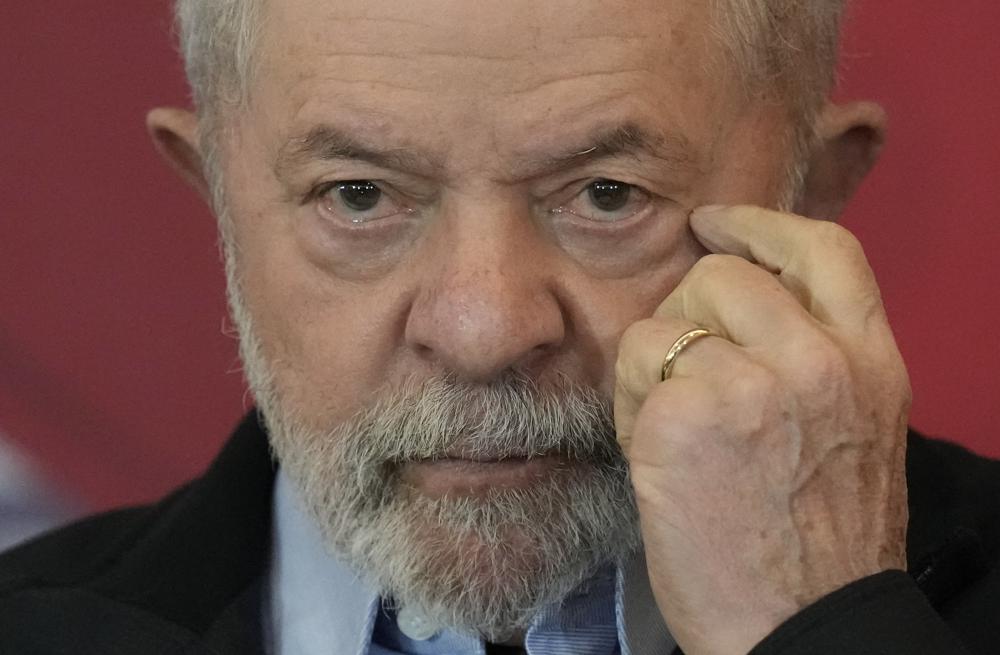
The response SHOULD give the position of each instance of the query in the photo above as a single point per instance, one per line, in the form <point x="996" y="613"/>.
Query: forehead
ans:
<point x="497" y="67"/>
<point x="498" y="32"/>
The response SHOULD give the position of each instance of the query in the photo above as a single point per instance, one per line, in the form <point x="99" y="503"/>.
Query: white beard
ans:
<point x="481" y="564"/>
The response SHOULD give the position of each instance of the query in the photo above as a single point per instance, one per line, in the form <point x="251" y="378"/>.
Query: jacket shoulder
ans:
<point x="951" y="488"/>
<point x="79" y="552"/>
<point x="154" y="578"/>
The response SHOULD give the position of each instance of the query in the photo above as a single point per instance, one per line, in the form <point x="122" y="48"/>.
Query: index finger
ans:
<point x="820" y="262"/>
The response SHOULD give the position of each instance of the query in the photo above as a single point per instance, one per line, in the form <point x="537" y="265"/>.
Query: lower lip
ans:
<point x="465" y="477"/>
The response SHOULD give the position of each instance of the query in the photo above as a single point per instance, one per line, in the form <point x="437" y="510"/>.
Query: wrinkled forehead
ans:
<point x="486" y="48"/>
<point x="506" y="31"/>
<point x="512" y="65"/>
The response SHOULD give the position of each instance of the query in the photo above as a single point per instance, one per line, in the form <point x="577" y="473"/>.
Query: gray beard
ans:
<point x="480" y="564"/>
<point x="484" y="564"/>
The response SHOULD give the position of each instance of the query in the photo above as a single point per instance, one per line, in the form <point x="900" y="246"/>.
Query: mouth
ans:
<point x="468" y="476"/>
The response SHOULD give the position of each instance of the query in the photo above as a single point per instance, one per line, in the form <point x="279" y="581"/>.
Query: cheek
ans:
<point x="354" y="253"/>
<point x="328" y="342"/>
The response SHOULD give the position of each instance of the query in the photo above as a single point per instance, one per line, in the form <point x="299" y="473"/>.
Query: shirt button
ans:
<point x="415" y="625"/>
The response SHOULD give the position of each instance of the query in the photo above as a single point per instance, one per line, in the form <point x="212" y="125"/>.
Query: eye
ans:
<point x="357" y="202"/>
<point x="606" y="201"/>
<point x="609" y="195"/>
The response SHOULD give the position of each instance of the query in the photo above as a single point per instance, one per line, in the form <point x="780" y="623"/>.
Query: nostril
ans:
<point x="423" y="351"/>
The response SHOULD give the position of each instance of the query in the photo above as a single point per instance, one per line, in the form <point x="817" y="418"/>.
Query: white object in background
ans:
<point x="29" y="504"/>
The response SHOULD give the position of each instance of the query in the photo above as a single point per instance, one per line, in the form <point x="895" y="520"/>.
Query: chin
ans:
<point x="488" y="563"/>
<point x="476" y="505"/>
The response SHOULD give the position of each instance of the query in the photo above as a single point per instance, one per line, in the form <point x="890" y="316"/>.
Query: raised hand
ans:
<point x="769" y="466"/>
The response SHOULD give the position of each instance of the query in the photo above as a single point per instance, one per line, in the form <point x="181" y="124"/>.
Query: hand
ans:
<point x="769" y="468"/>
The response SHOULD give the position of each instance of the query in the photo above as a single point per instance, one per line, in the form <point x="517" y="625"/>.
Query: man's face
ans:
<point x="444" y="190"/>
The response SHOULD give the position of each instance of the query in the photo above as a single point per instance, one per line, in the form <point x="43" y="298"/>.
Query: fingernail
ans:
<point x="709" y="209"/>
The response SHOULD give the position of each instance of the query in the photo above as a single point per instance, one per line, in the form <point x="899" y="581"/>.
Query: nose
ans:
<point x="488" y="303"/>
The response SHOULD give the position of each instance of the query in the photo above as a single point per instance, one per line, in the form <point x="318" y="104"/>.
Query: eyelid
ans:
<point x="343" y="170"/>
<point x="320" y="189"/>
<point x="403" y="192"/>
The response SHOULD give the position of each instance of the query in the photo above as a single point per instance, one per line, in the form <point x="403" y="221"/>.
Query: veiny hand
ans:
<point x="769" y="468"/>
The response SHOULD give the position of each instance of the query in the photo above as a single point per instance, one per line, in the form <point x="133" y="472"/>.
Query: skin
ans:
<point x="769" y="467"/>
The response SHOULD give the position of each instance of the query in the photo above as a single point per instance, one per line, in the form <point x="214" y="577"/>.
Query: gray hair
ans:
<point x="217" y="41"/>
<point x="786" y="48"/>
<point x="783" y="48"/>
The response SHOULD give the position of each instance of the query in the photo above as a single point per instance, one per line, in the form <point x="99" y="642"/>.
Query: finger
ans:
<point x="820" y="262"/>
<point x="742" y="302"/>
<point x="684" y="412"/>
<point x="644" y="346"/>
<point x="639" y="366"/>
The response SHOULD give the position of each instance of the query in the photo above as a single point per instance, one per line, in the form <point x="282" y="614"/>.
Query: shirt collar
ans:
<point x="319" y="606"/>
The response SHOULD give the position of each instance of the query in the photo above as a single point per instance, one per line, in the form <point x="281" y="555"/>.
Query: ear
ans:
<point x="850" y="140"/>
<point x="175" y="136"/>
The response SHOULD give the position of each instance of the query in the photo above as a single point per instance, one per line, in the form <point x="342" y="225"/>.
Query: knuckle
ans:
<point x="825" y="369"/>
<point x="827" y="361"/>
<point x="831" y="236"/>
<point x="832" y="240"/>
<point x="757" y="386"/>
<point x="713" y="264"/>
<point x="757" y="396"/>
<point x="715" y="272"/>
<point x="829" y="239"/>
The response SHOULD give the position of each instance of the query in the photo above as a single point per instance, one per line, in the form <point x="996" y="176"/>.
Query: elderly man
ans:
<point x="546" y="360"/>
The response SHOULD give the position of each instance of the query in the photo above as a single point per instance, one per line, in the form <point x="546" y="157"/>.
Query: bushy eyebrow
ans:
<point x="329" y="143"/>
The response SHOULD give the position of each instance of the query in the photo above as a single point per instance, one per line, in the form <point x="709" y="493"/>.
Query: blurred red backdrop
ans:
<point x="115" y="367"/>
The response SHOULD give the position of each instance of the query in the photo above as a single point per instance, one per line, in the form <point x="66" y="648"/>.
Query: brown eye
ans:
<point x="609" y="195"/>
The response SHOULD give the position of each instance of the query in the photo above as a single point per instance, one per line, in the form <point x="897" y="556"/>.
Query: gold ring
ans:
<point x="682" y="342"/>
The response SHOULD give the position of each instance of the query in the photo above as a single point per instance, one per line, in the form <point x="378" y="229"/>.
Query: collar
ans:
<point x="319" y="606"/>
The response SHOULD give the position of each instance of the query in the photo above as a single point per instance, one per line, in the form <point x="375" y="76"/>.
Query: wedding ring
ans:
<point x="682" y="342"/>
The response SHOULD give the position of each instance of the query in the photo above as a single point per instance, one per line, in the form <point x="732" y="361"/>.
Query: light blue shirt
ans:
<point x="318" y="606"/>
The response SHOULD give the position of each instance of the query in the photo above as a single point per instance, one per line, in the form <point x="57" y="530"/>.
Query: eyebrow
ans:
<point x="628" y="139"/>
<point x="329" y="143"/>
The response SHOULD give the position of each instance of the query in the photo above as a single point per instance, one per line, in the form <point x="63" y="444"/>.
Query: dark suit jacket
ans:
<point x="185" y="575"/>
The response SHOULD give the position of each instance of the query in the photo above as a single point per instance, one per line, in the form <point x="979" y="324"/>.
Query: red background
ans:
<point x="115" y="369"/>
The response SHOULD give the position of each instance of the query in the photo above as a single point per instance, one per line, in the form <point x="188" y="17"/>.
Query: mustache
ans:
<point x="512" y="416"/>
